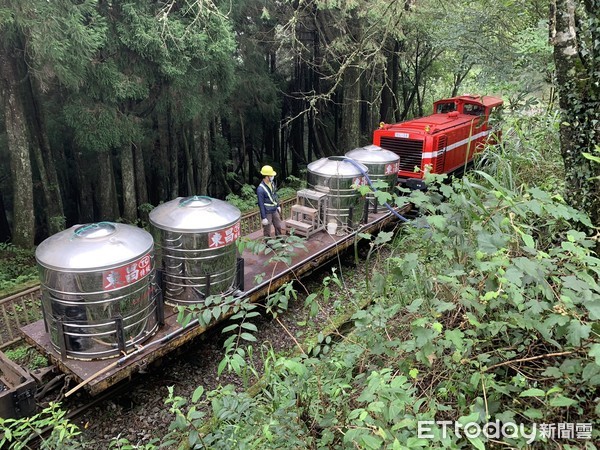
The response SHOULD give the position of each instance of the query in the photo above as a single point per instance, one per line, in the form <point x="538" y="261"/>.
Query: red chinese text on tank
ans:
<point x="391" y="168"/>
<point x="359" y="181"/>
<point x="224" y="237"/>
<point x="128" y="274"/>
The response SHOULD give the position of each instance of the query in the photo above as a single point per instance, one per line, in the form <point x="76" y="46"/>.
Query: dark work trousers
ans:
<point x="274" y="219"/>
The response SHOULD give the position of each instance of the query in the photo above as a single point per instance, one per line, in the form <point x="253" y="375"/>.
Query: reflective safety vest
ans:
<point x="267" y="199"/>
<point x="269" y="193"/>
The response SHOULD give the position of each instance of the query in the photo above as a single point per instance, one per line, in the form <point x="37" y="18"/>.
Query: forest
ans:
<point x="110" y="108"/>
<point x="489" y="313"/>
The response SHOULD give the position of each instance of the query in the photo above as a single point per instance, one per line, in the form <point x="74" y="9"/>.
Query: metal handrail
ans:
<point x="20" y="294"/>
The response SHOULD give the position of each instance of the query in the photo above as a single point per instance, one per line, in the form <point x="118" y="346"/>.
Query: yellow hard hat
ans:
<point x="267" y="171"/>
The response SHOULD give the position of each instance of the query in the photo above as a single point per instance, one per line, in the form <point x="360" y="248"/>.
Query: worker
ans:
<point x="270" y="211"/>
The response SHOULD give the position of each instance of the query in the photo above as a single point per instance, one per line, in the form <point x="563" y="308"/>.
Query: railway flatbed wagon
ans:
<point x="100" y="373"/>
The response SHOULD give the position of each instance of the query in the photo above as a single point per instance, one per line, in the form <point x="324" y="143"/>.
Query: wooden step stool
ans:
<point x="308" y="213"/>
<point x="304" y="220"/>
<point x="300" y="228"/>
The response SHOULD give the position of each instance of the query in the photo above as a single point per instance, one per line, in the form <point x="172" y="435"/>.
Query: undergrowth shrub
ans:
<point x="489" y="315"/>
<point x="16" y="266"/>
<point x="528" y="153"/>
<point x="26" y="433"/>
<point x="501" y="308"/>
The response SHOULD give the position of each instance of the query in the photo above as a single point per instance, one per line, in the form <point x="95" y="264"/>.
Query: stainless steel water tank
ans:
<point x="383" y="166"/>
<point x="338" y="178"/>
<point x="196" y="245"/>
<point x="99" y="293"/>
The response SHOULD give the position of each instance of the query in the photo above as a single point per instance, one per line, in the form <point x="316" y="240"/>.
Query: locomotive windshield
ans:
<point x="445" y="107"/>
<point x="473" y="110"/>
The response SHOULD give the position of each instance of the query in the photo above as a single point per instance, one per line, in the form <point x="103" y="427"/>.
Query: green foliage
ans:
<point x="19" y="433"/>
<point x="17" y="354"/>
<point x="17" y="266"/>
<point x="510" y="280"/>
<point x="594" y="158"/>
<point x="57" y="223"/>
<point x="241" y="312"/>
<point x="26" y="356"/>
<point x="97" y="127"/>
<point x="528" y="152"/>
<point x="61" y="37"/>
<point x="291" y="185"/>
<point x="246" y="200"/>
<point x="489" y="314"/>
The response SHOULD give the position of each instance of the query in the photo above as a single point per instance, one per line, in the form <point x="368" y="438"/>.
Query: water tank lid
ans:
<point x="373" y="154"/>
<point x="195" y="214"/>
<point x="93" y="246"/>
<point x="337" y="166"/>
<point x="94" y="230"/>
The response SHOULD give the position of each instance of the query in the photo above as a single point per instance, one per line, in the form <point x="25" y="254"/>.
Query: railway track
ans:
<point x="140" y="410"/>
<point x="136" y="401"/>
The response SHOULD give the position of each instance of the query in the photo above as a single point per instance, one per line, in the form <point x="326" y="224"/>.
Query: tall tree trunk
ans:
<point x="296" y="137"/>
<point x="160" y="165"/>
<point x="277" y="144"/>
<point x="189" y="162"/>
<point x="54" y="211"/>
<point x="350" y="132"/>
<point x="4" y="226"/>
<point x="141" y="188"/>
<point x="243" y="152"/>
<point x="270" y="134"/>
<point x="52" y="222"/>
<point x="389" y="103"/>
<point x="368" y="120"/>
<point x="579" y="100"/>
<point x="395" y="81"/>
<point x="222" y="189"/>
<point x="85" y="201"/>
<point x="128" y="181"/>
<point x="173" y="152"/>
<point x="106" y="188"/>
<point x="204" y="166"/>
<point x="23" y="231"/>
<point x="312" y="141"/>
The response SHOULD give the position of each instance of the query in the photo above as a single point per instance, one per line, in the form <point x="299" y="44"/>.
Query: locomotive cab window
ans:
<point x="473" y="110"/>
<point x="445" y="107"/>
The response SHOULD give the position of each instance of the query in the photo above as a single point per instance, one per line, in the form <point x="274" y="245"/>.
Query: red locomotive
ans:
<point x="444" y="142"/>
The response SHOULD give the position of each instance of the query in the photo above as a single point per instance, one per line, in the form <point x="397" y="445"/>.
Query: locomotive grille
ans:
<point x="439" y="161"/>
<point x="410" y="151"/>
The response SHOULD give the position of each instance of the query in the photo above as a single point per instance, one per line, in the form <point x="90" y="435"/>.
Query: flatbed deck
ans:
<point x="99" y="375"/>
